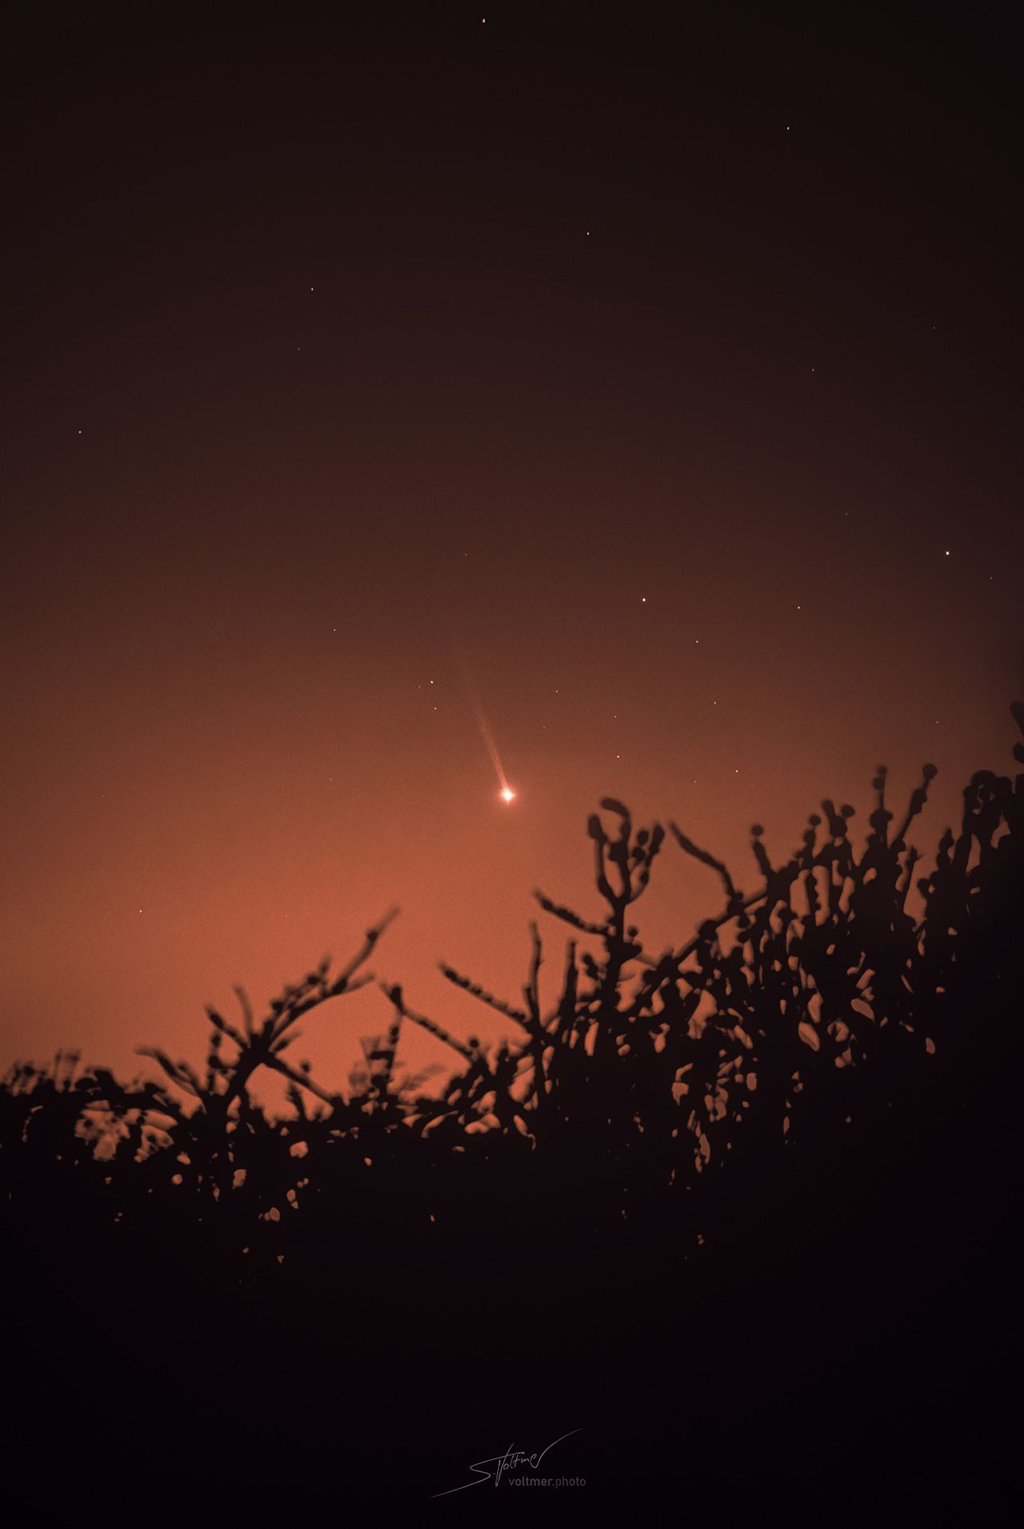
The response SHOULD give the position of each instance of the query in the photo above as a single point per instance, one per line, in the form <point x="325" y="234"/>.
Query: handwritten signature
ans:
<point x="513" y="1459"/>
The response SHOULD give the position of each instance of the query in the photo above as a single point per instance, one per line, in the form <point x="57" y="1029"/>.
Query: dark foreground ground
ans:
<point x="842" y="1348"/>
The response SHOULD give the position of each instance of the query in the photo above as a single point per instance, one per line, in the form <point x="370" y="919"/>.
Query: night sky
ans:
<point x="653" y="387"/>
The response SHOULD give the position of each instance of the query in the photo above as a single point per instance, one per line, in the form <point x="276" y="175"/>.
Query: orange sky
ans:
<point x="692" y="414"/>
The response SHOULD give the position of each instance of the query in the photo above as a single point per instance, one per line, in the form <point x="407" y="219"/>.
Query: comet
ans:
<point x="505" y="791"/>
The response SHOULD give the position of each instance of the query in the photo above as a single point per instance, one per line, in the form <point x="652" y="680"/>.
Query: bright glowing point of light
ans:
<point x="507" y="794"/>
